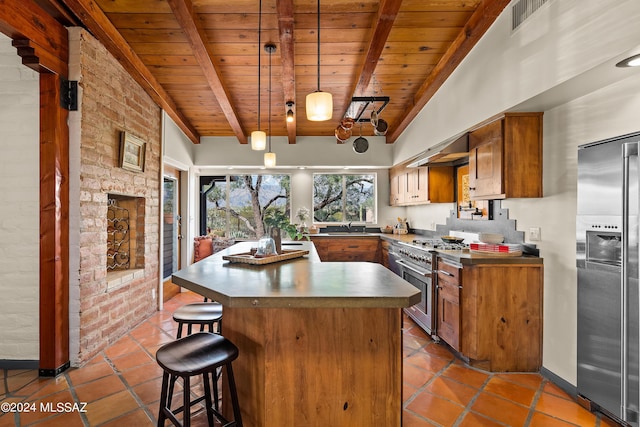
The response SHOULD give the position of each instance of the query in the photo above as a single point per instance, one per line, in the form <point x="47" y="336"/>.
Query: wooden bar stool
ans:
<point x="201" y="353"/>
<point x="199" y="313"/>
<point x="202" y="314"/>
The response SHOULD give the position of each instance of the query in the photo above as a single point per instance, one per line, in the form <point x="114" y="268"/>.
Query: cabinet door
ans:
<point x="438" y="182"/>
<point x="420" y="182"/>
<point x="449" y="313"/>
<point x="322" y="247"/>
<point x="384" y="253"/>
<point x="449" y="316"/>
<point x="485" y="162"/>
<point x="397" y="189"/>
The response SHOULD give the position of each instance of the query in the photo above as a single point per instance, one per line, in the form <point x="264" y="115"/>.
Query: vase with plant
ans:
<point x="279" y="220"/>
<point x="303" y="215"/>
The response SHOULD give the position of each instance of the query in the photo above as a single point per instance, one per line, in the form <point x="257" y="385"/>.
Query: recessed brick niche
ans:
<point x="125" y="239"/>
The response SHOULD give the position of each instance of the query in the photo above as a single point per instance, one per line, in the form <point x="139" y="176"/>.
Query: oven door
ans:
<point x="423" y="312"/>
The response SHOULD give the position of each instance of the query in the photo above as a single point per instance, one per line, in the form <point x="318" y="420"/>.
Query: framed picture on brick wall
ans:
<point x="132" y="151"/>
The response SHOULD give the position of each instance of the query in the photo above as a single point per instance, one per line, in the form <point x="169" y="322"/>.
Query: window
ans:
<point x="236" y="205"/>
<point x="344" y="198"/>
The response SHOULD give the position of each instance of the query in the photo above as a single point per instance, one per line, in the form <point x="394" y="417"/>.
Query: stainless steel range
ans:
<point x="415" y="262"/>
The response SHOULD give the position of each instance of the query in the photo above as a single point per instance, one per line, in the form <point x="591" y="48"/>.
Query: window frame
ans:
<point x="204" y="180"/>
<point x="343" y="174"/>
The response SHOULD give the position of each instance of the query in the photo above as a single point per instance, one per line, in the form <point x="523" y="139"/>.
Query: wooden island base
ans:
<point x="317" y="366"/>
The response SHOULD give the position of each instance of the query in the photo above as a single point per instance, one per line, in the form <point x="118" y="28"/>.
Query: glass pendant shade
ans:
<point x="269" y="159"/>
<point x="319" y="106"/>
<point x="258" y="140"/>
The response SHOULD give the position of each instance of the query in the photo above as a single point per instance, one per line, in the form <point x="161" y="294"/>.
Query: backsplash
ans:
<point x="501" y="223"/>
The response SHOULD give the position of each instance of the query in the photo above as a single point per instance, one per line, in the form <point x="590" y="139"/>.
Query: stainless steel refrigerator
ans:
<point x="607" y="264"/>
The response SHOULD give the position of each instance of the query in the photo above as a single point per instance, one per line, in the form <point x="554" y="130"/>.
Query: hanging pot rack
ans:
<point x="360" y="104"/>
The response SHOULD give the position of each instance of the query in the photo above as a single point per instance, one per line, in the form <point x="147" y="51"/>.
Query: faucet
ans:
<point x="347" y="226"/>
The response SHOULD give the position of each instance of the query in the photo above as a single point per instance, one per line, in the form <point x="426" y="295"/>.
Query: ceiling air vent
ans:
<point x="523" y="10"/>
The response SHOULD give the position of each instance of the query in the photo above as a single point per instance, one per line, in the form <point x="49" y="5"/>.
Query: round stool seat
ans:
<point x="196" y="354"/>
<point x="201" y="353"/>
<point x="198" y="312"/>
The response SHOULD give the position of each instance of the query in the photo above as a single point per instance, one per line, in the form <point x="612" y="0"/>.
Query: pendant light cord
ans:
<point x="259" y="55"/>
<point x="270" y="52"/>
<point x="318" y="45"/>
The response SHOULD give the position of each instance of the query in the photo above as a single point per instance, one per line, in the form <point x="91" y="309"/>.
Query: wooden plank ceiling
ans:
<point x="199" y="58"/>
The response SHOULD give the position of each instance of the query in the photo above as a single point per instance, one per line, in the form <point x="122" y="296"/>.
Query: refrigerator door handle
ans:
<point x="628" y="150"/>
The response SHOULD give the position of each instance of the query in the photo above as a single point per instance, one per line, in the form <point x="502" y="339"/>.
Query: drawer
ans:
<point x="354" y="246"/>
<point x="450" y="271"/>
<point x="362" y="256"/>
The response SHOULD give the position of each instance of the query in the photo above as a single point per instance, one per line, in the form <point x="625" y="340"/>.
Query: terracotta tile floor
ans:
<point x="121" y="387"/>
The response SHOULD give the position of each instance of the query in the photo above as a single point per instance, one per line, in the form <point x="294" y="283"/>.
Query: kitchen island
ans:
<point x="320" y="343"/>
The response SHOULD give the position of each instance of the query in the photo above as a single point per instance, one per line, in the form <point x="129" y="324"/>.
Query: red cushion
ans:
<point x="202" y="247"/>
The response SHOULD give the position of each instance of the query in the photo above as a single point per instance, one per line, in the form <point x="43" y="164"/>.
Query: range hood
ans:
<point x="446" y="153"/>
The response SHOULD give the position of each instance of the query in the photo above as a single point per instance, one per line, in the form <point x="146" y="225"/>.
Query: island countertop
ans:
<point x="301" y="282"/>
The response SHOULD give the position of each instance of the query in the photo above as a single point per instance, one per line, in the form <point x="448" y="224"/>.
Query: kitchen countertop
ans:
<point x="473" y="258"/>
<point x="465" y="258"/>
<point x="301" y="282"/>
<point x="406" y="238"/>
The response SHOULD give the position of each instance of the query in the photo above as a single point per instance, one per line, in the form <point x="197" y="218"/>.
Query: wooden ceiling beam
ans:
<point x="26" y="22"/>
<point x="387" y="14"/>
<point x="183" y="11"/>
<point x="474" y="29"/>
<point x="287" y="54"/>
<point x="99" y="25"/>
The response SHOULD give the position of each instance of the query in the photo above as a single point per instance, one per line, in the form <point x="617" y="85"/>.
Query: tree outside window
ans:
<point x="237" y="205"/>
<point x="339" y="198"/>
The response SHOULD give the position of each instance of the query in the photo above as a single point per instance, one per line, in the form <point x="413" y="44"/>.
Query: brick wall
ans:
<point x="111" y="102"/>
<point x="19" y="206"/>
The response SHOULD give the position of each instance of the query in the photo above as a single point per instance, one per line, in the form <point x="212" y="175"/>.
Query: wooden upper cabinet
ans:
<point x="397" y="190"/>
<point x="412" y="186"/>
<point x="505" y="158"/>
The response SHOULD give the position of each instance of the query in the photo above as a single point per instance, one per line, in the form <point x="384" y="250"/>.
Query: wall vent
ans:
<point x="523" y="9"/>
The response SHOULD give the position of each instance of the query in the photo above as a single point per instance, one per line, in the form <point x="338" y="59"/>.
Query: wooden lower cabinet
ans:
<point x="332" y="248"/>
<point x="384" y="252"/>
<point x="494" y="320"/>
<point x="448" y="311"/>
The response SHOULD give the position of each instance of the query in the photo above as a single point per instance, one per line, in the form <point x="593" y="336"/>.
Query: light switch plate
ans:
<point x="534" y="234"/>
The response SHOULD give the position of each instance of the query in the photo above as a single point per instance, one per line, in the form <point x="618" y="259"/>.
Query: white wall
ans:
<point x="19" y="206"/>
<point x="561" y="61"/>
<point x="310" y="151"/>
<point x="176" y="147"/>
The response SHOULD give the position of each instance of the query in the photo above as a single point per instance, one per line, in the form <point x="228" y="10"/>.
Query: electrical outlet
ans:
<point x="432" y="226"/>
<point x="153" y="294"/>
<point x="534" y="234"/>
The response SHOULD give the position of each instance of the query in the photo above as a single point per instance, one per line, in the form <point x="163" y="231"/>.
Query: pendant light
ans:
<point x="290" y="116"/>
<point x="258" y="137"/>
<point x="319" y="104"/>
<point x="270" y="157"/>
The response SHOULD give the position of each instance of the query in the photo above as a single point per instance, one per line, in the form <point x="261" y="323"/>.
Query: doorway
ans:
<point x="171" y="231"/>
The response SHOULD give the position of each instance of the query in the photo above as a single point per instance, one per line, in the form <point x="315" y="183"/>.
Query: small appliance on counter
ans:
<point x="401" y="227"/>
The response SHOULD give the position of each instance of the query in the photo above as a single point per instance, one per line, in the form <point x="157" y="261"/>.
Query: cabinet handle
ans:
<point x="446" y="273"/>
<point x="472" y="188"/>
